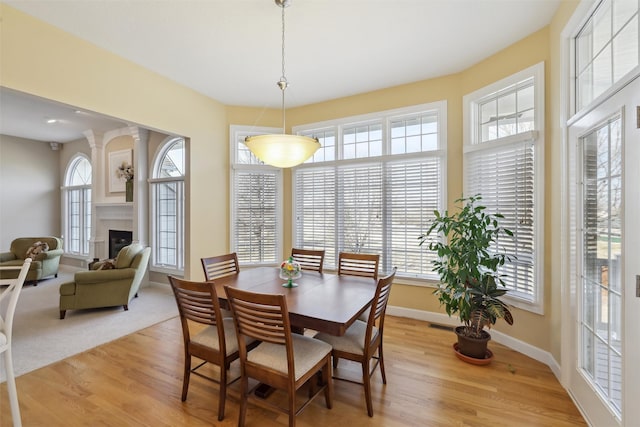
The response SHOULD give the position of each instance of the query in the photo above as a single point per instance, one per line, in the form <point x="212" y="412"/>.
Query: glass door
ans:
<point x="606" y="259"/>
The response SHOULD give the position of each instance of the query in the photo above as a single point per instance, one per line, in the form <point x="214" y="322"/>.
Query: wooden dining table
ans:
<point x="323" y="302"/>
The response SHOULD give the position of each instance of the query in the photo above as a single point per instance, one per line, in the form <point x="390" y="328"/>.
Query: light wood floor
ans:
<point x="137" y="380"/>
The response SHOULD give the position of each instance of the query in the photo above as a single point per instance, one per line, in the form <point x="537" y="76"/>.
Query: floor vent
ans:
<point x="436" y="326"/>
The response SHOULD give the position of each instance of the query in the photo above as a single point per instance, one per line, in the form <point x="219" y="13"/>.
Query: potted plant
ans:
<point x="467" y="264"/>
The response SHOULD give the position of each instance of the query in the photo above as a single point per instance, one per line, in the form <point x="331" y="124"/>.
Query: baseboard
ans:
<point x="499" y="337"/>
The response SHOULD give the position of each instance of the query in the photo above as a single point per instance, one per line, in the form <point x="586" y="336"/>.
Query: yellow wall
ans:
<point x="44" y="61"/>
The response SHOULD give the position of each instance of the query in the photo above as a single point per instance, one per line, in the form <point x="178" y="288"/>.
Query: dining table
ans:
<point x="324" y="302"/>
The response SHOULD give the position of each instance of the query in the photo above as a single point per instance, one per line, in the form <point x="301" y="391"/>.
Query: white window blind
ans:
<point x="413" y="192"/>
<point x="505" y="179"/>
<point x="316" y="217"/>
<point x="255" y="220"/>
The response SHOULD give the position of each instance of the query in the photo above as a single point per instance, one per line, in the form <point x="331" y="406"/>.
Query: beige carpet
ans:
<point x="40" y="337"/>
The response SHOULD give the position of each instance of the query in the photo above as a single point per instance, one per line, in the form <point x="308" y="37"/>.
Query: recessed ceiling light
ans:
<point x="51" y="121"/>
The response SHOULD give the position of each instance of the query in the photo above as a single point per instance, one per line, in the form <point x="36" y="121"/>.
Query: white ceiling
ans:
<point x="231" y="50"/>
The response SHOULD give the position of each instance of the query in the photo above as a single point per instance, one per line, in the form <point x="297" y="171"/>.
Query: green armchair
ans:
<point x="107" y="287"/>
<point x="44" y="264"/>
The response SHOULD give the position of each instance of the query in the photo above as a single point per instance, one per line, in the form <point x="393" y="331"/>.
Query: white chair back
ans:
<point x="6" y="331"/>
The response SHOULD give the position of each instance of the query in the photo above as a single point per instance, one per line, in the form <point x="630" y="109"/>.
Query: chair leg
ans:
<point x="223" y="391"/>
<point x="11" y="389"/>
<point x="62" y="313"/>
<point x="186" y="376"/>
<point x="126" y="307"/>
<point x="244" y="390"/>
<point x="327" y="375"/>
<point x="366" y="380"/>
<point x="381" y="362"/>
<point x="292" y="408"/>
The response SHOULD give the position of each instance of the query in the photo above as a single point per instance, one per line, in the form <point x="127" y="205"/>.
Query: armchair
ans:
<point x="107" y="288"/>
<point x="44" y="264"/>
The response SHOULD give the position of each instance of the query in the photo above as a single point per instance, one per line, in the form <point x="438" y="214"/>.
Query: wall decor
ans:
<point x="116" y="159"/>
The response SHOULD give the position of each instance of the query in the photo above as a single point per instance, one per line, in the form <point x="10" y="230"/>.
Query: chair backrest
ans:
<point x="264" y="317"/>
<point x="311" y="260"/>
<point x="21" y="245"/>
<point x="220" y="266"/>
<point x="379" y="304"/>
<point x="13" y="293"/>
<point x="197" y="302"/>
<point x="364" y="265"/>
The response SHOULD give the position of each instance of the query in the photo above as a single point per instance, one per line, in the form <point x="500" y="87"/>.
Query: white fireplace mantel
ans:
<point x="110" y="216"/>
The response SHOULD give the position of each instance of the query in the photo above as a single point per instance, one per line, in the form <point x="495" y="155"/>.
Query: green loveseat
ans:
<point x="107" y="287"/>
<point x="44" y="264"/>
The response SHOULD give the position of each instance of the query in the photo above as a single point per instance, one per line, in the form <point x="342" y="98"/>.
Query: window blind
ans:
<point x="504" y="176"/>
<point x="255" y="216"/>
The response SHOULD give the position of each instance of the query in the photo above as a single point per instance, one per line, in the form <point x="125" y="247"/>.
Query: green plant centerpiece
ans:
<point x="467" y="263"/>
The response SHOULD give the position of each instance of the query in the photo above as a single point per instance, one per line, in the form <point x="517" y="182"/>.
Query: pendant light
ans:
<point x="283" y="151"/>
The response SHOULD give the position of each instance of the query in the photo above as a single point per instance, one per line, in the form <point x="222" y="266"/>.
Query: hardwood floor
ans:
<point x="137" y="380"/>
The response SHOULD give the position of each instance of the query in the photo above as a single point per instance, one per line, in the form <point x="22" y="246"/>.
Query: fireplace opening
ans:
<point x="118" y="239"/>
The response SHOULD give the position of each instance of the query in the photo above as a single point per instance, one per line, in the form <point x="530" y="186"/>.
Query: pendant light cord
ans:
<point x="283" y="83"/>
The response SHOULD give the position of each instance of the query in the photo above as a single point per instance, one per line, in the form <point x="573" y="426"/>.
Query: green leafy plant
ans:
<point x="468" y="264"/>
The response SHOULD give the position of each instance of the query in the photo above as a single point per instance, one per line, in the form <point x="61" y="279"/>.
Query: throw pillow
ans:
<point x="107" y="264"/>
<point x="36" y="249"/>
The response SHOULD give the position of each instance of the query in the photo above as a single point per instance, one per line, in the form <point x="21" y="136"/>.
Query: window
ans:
<point x="167" y="201"/>
<point x="256" y="217"/>
<point x="503" y="162"/>
<point x="77" y="196"/>
<point x="607" y="49"/>
<point x="373" y="187"/>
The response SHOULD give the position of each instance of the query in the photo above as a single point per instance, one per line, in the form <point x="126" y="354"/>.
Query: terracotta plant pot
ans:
<point x="472" y="347"/>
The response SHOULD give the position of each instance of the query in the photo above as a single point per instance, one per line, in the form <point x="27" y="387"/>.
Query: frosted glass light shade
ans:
<point x="283" y="151"/>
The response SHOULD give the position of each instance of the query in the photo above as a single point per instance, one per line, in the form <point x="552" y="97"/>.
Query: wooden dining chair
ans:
<point x="355" y="264"/>
<point x="12" y="291"/>
<point x="309" y="259"/>
<point x="215" y="343"/>
<point x="219" y="266"/>
<point x="282" y="360"/>
<point x="363" y="340"/>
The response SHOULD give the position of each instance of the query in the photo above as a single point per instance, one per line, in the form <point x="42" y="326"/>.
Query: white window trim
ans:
<point x="65" y="207"/>
<point x="161" y="151"/>
<point x="469" y="118"/>
<point x="234" y="132"/>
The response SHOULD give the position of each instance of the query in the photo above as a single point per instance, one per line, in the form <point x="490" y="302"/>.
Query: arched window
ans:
<point x="167" y="206"/>
<point x="77" y="196"/>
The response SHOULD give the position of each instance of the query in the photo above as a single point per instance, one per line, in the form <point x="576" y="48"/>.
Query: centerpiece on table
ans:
<point x="290" y="270"/>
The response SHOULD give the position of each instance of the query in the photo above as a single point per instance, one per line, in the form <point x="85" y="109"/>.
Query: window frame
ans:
<point x="237" y="133"/>
<point x="472" y="144"/>
<point x="86" y="216"/>
<point x="385" y="118"/>
<point x="153" y="181"/>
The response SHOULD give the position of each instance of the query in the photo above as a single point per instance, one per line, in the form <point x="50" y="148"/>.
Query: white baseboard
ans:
<point x="499" y="337"/>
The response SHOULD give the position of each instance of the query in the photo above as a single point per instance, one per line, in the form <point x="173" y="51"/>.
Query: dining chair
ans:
<point x="309" y="259"/>
<point x="6" y="332"/>
<point x="219" y="266"/>
<point x="215" y="343"/>
<point x="282" y="360"/>
<point x="363" y="339"/>
<point x="356" y="264"/>
<point x="363" y="265"/>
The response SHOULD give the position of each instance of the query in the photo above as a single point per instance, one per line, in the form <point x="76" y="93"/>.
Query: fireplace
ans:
<point x="118" y="239"/>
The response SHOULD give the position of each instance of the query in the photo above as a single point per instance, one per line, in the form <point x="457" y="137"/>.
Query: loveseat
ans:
<point x="107" y="287"/>
<point x="44" y="264"/>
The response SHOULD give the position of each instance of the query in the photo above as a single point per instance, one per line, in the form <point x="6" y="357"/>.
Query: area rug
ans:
<point x="40" y="337"/>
